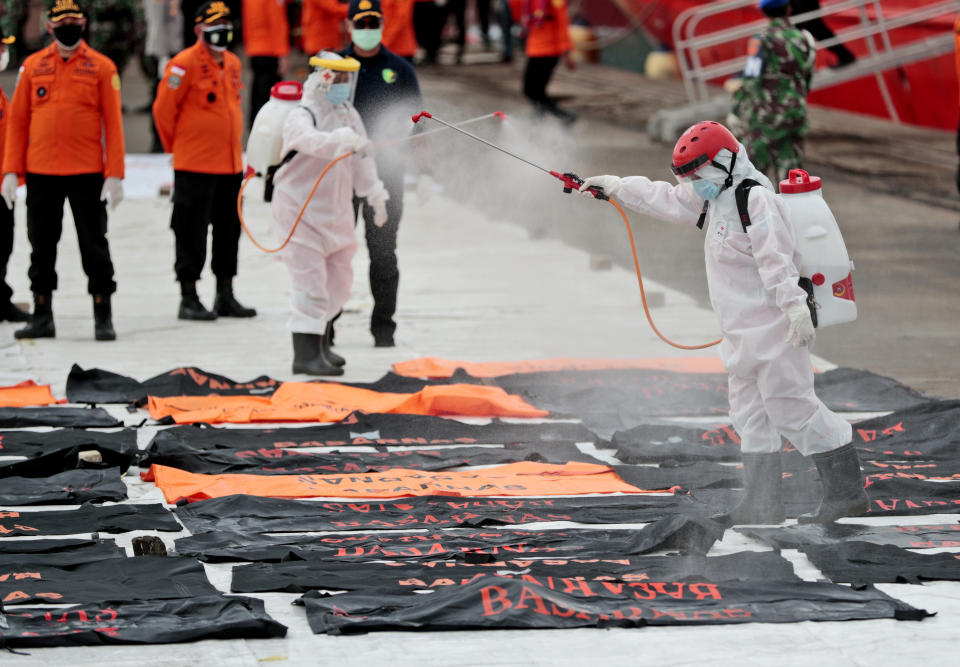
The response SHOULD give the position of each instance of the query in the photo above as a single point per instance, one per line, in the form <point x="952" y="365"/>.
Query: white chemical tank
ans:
<point x="266" y="135"/>
<point x="822" y="252"/>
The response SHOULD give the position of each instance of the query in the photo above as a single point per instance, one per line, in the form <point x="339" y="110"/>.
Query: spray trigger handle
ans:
<point x="573" y="182"/>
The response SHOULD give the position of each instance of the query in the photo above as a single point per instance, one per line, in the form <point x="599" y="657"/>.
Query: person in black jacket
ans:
<point x="387" y="95"/>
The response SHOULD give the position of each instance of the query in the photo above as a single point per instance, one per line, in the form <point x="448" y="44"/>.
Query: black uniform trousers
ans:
<point x="45" y="198"/>
<point x="6" y="249"/>
<point x="265" y="74"/>
<point x="382" y="247"/>
<point x="536" y="76"/>
<point x="428" y="22"/>
<point x="200" y="200"/>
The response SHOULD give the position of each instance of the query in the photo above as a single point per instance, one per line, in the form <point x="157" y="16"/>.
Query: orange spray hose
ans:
<point x="626" y="222"/>
<point x="643" y="294"/>
<point x="299" y="215"/>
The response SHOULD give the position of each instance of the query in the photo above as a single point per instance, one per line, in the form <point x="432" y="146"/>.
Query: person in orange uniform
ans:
<point x="65" y="137"/>
<point x="548" y="39"/>
<point x="398" y="33"/>
<point x="199" y="119"/>
<point x="266" y="41"/>
<point x="8" y="311"/>
<point x="322" y="25"/>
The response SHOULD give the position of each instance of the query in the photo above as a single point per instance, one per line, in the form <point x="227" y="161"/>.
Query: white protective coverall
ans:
<point x="752" y="278"/>
<point x="320" y="254"/>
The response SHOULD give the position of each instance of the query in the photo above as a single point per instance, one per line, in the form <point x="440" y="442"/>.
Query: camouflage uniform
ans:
<point x="771" y="105"/>
<point x="115" y="28"/>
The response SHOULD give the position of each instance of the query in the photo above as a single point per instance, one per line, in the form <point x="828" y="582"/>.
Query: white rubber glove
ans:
<point x="345" y="138"/>
<point x="801" y="332"/>
<point x="9" y="189"/>
<point x="609" y="185"/>
<point x="112" y="191"/>
<point x="424" y="188"/>
<point x="362" y="146"/>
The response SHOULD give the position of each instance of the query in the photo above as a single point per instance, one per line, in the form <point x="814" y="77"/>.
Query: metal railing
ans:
<point x="881" y="57"/>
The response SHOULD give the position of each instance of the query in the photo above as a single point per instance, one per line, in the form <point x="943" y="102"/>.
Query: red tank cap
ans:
<point x="818" y="279"/>
<point x="799" y="181"/>
<point x="288" y="91"/>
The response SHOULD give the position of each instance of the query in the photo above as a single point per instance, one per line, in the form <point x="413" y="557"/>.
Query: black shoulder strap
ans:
<point x="703" y="215"/>
<point x="272" y="171"/>
<point x="309" y="111"/>
<point x="292" y="154"/>
<point x="741" y="194"/>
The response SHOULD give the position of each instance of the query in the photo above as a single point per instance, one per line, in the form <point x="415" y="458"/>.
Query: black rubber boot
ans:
<point x="190" y="306"/>
<point x="308" y="357"/>
<point x="843" y="493"/>
<point x="10" y="313"/>
<point x="763" y="501"/>
<point x="41" y="321"/>
<point x="326" y="342"/>
<point x="103" y="318"/>
<point x="226" y="305"/>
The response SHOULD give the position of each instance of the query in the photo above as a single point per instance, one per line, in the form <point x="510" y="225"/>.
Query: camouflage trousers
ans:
<point x="774" y="153"/>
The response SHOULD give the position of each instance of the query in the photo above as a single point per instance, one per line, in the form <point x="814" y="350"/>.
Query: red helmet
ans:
<point x="700" y="144"/>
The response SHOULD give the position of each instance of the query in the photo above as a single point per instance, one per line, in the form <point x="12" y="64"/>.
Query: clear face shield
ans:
<point x="333" y="79"/>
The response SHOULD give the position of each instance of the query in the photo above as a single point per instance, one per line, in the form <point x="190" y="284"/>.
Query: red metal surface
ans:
<point x="924" y="93"/>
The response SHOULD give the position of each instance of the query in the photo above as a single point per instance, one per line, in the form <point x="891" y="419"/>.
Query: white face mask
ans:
<point x="4" y="59"/>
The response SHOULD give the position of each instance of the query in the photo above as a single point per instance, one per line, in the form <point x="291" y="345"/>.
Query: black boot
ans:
<point x="103" y="318"/>
<point x="843" y="493"/>
<point x="226" y="304"/>
<point x="763" y="501"/>
<point x="10" y="313"/>
<point x="190" y="306"/>
<point x="41" y="321"/>
<point x="308" y="357"/>
<point x="326" y="341"/>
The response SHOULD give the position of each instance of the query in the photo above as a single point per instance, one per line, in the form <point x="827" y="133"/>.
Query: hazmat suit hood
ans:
<point x="742" y="169"/>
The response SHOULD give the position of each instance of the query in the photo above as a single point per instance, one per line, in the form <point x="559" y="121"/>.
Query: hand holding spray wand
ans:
<point x="573" y="182"/>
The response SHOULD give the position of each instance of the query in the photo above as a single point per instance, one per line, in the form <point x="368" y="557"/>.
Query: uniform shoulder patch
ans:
<point x="173" y="81"/>
<point x="115" y="81"/>
<point x="389" y="75"/>
<point x="176" y="69"/>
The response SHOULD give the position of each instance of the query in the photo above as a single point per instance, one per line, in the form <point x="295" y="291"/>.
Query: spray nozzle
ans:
<point x="573" y="182"/>
<point x="423" y="114"/>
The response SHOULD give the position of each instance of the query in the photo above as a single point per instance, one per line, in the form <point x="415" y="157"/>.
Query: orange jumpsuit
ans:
<point x="398" y="33"/>
<point x="65" y="117"/>
<point x="323" y="25"/>
<point x="266" y="31"/>
<point x="266" y="39"/>
<point x="65" y="136"/>
<point x="198" y="113"/>
<point x="548" y="29"/>
<point x="199" y="119"/>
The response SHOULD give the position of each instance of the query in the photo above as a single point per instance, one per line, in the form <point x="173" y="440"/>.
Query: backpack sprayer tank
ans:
<point x="822" y="253"/>
<point x="265" y="144"/>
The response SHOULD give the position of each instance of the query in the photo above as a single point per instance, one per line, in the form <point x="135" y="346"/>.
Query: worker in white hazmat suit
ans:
<point x="321" y="250"/>
<point x="766" y="322"/>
